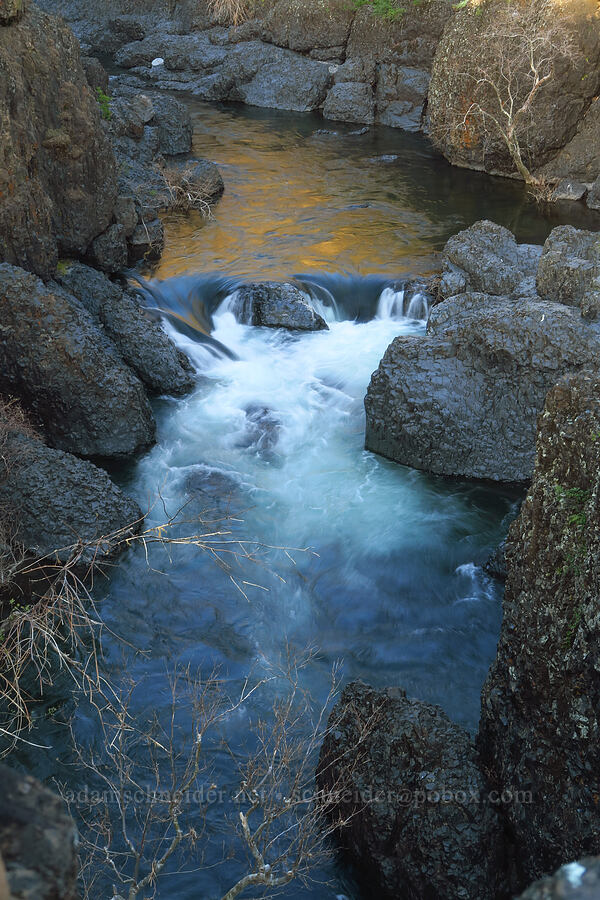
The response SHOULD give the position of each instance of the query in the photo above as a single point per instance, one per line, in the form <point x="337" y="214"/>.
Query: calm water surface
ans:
<point x="387" y="572"/>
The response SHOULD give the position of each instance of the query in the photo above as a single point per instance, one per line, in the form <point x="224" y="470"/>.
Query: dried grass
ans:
<point x="185" y="193"/>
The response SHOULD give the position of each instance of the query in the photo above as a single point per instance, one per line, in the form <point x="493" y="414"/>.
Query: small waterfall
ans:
<point x="402" y="303"/>
<point x="241" y="310"/>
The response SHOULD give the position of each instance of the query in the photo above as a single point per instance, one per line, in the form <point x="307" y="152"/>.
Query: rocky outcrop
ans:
<point x="463" y="400"/>
<point x="140" y="341"/>
<point x="290" y="56"/>
<point x="421" y="823"/>
<point x="480" y="43"/>
<point x="569" y="270"/>
<point x="55" y="357"/>
<point x="152" y="141"/>
<point x="540" y="729"/>
<point x="38" y="840"/>
<point x="55" y="500"/>
<point x="574" y="881"/>
<point x="276" y="305"/>
<point x="57" y="169"/>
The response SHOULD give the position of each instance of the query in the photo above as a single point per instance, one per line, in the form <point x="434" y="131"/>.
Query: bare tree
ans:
<point x="525" y="44"/>
<point x="136" y="822"/>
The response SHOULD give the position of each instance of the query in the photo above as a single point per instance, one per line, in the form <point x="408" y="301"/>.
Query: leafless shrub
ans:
<point x="184" y="191"/>
<point x="147" y="774"/>
<point x="526" y="42"/>
<point x="48" y="618"/>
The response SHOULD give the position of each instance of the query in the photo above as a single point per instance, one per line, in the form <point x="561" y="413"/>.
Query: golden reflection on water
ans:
<point x="296" y="201"/>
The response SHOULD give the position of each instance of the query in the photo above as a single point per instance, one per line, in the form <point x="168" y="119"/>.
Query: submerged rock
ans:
<point x="540" y="730"/>
<point x="38" y="840"/>
<point x="420" y="820"/>
<point x="57" y="500"/>
<point x="464" y="399"/>
<point x="276" y="305"/>
<point x="55" y="357"/>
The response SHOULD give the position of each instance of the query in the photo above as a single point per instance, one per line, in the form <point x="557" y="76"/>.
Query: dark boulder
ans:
<point x="472" y="48"/>
<point x="109" y="250"/>
<point x="495" y="564"/>
<point x="464" y="399"/>
<point x="96" y="74"/>
<point x="276" y="305"/>
<point x="304" y="25"/>
<point x="172" y="118"/>
<point x="420" y="821"/>
<point x="57" y="170"/>
<point x="410" y="40"/>
<point x="38" y="840"/>
<point x="56" y="358"/>
<point x="57" y="500"/>
<point x="569" y="269"/>
<point x="487" y="258"/>
<point x="140" y="341"/>
<point x="540" y="723"/>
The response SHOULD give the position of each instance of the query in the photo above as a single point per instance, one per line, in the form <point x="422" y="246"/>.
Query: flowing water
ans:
<point x="383" y="563"/>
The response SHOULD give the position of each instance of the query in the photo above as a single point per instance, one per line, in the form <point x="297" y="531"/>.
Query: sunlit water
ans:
<point x="379" y="565"/>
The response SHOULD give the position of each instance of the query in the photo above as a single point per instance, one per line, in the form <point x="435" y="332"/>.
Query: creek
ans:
<point x="379" y="566"/>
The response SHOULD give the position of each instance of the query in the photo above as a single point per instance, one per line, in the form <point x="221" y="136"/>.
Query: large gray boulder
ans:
<point x="420" y="821"/>
<point x="578" y="880"/>
<point x="276" y="305"/>
<point x="141" y="342"/>
<point x="57" y="500"/>
<point x="569" y="269"/>
<point x="57" y="170"/>
<point x="540" y="727"/>
<point x="288" y="81"/>
<point x="38" y="840"/>
<point x="463" y="400"/>
<point x="487" y="258"/>
<point x="55" y="357"/>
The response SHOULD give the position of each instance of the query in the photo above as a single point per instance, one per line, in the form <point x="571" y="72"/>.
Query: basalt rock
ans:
<point x="276" y="305"/>
<point x="421" y="822"/>
<point x="57" y="169"/>
<point x="540" y="725"/>
<point x="350" y="101"/>
<point x="55" y="357"/>
<point x="468" y="49"/>
<point x="464" y="399"/>
<point x="569" y="269"/>
<point x="487" y="258"/>
<point x="56" y="500"/>
<point x="140" y="341"/>
<point x="38" y="840"/>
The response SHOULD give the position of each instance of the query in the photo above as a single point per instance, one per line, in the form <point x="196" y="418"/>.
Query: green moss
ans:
<point x="388" y="9"/>
<point x="104" y="103"/>
<point x="63" y="266"/>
